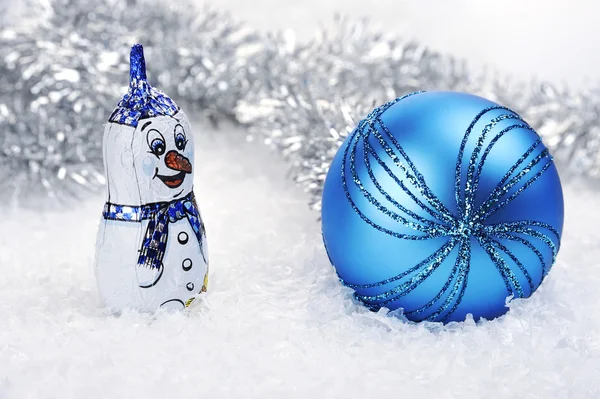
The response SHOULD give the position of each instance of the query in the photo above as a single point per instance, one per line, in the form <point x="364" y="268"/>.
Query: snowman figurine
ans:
<point x="151" y="248"/>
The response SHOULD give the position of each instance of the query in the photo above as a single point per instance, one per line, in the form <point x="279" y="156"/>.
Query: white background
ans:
<point x="555" y="40"/>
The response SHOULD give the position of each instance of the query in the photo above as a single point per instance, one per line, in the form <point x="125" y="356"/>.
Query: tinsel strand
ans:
<point x="63" y="70"/>
<point x="323" y="88"/>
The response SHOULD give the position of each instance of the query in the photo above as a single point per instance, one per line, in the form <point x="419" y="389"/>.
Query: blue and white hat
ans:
<point x="142" y="100"/>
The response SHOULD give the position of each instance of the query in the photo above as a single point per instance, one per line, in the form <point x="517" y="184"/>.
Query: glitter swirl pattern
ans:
<point x="470" y="224"/>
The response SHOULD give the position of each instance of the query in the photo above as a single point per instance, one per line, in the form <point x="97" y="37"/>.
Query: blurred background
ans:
<point x="550" y="40"/>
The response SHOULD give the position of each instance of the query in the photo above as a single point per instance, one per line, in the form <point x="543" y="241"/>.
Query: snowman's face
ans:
<point x="163" y="155"/>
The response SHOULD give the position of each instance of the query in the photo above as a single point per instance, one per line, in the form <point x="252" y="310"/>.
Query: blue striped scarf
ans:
<point x="159" y="214"/>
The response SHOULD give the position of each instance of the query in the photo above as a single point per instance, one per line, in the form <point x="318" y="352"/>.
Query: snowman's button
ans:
<point x="190" y="286"/>
<point x="182" y="238"/>
<point x="186" y="264"/>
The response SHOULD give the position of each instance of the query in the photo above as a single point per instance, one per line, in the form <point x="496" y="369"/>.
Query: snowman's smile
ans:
<point x="172" y="181"/>
<point x="178" y="163"/>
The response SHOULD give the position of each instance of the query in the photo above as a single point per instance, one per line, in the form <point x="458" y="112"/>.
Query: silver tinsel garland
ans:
<point x="64" y="69"/>
<point x="320" y="90"/>
<point x="63" y="72"/>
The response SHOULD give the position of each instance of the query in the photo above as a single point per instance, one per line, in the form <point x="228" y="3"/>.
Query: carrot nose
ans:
<point x="178" y="162"/>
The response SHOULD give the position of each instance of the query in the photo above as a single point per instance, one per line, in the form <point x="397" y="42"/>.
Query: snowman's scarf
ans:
<point x="160" y="215"/>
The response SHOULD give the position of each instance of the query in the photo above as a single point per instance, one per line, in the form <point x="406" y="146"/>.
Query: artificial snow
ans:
<point x="276" y="323"/>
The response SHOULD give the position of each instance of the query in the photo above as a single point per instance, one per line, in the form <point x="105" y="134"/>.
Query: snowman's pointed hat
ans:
<point x="142" y="100"/>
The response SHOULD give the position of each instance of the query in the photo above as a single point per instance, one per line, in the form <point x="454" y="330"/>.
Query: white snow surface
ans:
<point x="276" y="323"/>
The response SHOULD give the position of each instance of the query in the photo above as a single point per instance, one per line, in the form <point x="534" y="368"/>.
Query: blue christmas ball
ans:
<point x="442" y="204"/>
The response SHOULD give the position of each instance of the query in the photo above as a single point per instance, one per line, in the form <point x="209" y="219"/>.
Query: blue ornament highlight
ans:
<point x="142" y="100"/>
<point x="443" y="204"/>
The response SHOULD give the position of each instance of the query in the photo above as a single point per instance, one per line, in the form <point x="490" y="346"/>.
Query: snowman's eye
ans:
<point x="157" y="146"/>
<point x="156" y="142"/>
<point x="180" y="140"/>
